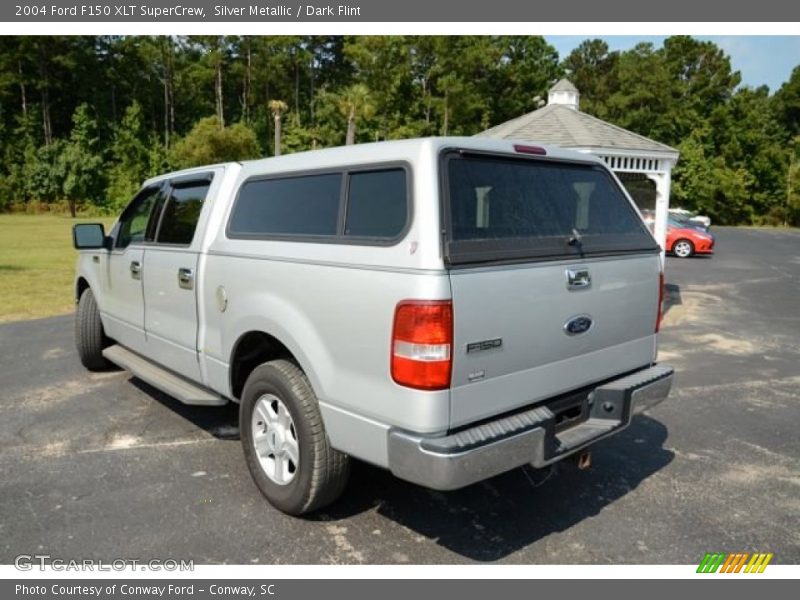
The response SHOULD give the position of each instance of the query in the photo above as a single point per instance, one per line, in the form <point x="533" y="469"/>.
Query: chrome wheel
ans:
<point x="275" y="439"/>
<point x="683" y="249"/>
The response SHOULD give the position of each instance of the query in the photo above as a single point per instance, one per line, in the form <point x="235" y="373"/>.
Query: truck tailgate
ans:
<point x="511" y="343"/>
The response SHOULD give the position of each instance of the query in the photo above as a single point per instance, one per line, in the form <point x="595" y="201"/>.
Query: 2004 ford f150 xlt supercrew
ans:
<point x="446" y="308"/>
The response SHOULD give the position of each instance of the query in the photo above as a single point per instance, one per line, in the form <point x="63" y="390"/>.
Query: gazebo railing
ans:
<point x="633" y="164"/>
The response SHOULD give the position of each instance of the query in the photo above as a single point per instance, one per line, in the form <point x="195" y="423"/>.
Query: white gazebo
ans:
<point x="561" y="123"/>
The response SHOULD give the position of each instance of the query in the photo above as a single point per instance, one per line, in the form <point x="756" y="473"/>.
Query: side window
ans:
<point x="305" y="205"/>
<point x="133" y="224"/>
<point x="377" y="204"/>
<point x="181" y="213"/>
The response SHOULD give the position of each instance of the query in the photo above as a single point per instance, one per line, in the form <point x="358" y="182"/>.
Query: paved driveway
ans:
<point x="103" y="466"/>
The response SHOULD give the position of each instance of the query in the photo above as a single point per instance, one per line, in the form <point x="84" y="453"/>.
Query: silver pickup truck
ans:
<point x="446" y="308"/>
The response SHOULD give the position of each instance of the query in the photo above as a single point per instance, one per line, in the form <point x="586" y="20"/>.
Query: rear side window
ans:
<point x="181" y="213"/>
<point x="506" y="209"/>
<point x="353" y="205"/>
<point x="377" y="204"/>
<point x="306" y="205"/>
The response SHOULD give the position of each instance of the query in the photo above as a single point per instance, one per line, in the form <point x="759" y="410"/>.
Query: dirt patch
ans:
<point x="54" y="353"/>
<point x="46" y="396"/>
<point x="123" y="442"/>
<point x="752" y="474"/>
<point x="54" y="449"/>
<point x="723" y="345"/>
<point x="694" y="306"/>
<point x="343" y="545"/>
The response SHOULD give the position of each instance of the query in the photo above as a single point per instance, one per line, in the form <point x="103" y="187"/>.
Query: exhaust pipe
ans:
<point x="584" y="460"/>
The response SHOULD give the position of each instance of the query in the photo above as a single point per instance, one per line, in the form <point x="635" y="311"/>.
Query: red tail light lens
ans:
<point x="422" y="339"/>
<point x="538" y="150"/>
<point x="660" y="300"/>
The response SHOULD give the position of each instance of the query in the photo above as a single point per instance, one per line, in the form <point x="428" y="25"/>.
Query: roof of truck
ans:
<point x="379" y="150"/>
<point x="376" y="152"/>
<point x="397" y="149"/>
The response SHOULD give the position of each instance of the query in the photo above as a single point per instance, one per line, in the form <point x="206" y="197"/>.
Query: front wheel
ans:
<point x="683" y="249"/>
<point x="90" y="339"/>
<point x="284" y="440"/>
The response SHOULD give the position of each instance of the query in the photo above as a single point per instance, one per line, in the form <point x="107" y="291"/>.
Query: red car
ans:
<point x="683" y="240"/>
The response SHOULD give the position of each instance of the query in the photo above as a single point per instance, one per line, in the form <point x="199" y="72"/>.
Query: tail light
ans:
<point x="660" y="300"/>
<point x="422" y="339"/>
<point x="525" y="149"/>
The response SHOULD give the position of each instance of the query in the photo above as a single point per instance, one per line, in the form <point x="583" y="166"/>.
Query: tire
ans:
<point x="322" y="472"/>
<point x="90" y="339"/>
<point x="683" y="248"/>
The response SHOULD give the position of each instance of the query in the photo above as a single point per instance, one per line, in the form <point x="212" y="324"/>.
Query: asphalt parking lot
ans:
<point x="103" y="466"/>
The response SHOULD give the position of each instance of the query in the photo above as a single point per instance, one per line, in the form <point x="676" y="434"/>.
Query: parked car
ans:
<point x="684" y="238"/>
<point x="686" y="224"/>
<point x="448" y="309"/>
<point x="690" y="216"/>
<point x="684" y="241"/>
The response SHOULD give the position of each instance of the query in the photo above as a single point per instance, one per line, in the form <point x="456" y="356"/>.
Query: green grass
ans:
<point x="37" y="265"/>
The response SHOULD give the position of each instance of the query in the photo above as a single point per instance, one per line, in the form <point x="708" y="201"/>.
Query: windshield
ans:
<point x="506" y="208"/>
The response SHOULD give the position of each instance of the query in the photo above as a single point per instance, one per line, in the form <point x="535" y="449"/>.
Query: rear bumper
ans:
<point x="483" y="451"/>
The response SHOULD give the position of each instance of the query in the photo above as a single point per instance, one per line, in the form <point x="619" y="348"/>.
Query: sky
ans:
<point x="761" y="59"/>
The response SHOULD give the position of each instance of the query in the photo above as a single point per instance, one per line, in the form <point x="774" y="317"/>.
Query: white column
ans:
<point x="662" y="181"/>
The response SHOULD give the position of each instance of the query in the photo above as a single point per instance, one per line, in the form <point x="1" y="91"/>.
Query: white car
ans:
<point x="693" y="217"/>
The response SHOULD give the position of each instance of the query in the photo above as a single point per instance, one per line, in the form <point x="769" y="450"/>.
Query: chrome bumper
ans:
<point x="483" y="451"/>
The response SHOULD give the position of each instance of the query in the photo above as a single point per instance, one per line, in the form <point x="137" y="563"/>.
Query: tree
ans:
<point x="791" y="214"/>
<point x="213" y="54"/>
<point x="355" y="103"/>
<point x="735" y="162"/>
<point x="787" y="104"/>
<point x="130" y="158"/>
<point x="524" y="67"/>
<point x="277" y="108"/>
<point x="592" y="68"/>
<point x="44" y="172"/>
<point x="208" y="143"/>
<point x="81" y="160"/>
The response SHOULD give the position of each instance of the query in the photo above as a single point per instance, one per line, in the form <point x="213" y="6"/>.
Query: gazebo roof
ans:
<point x="568" y="127"/>
<point x="564" y="85"/>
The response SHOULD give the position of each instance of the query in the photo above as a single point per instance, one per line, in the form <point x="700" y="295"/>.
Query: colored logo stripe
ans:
<point x="758" y="563"/>
<point x="734" y="562"/>
<point x="711" y="562"/>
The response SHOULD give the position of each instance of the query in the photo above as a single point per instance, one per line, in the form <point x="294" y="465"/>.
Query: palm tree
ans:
<point x="277" y="108"/>
<point x="354" y="103"/>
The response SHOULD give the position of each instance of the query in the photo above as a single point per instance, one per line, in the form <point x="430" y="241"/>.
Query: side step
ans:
<point x="169" y="383"/>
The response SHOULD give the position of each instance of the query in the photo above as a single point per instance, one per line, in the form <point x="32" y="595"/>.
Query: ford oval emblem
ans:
<point x="578" y="325"/>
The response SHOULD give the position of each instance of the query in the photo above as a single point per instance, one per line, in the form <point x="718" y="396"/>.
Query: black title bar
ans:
<point x="399" y="11"/>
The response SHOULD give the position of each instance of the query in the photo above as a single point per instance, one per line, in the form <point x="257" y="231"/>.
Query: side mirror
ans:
<point x="89" y="236"/>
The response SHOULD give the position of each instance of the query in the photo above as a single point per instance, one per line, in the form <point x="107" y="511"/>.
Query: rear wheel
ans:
<point x="284" y="440"/>
<point x="683" y="248"/>
<point x="90" y="339"/>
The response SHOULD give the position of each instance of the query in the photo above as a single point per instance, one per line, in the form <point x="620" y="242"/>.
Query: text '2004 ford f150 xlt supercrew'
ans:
<point x="447" y="308"/>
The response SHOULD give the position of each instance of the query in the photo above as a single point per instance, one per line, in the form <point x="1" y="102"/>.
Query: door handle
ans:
<point x="578" y="278"/>
<point x="136" y="269"/>
<point x="185" y="278"/>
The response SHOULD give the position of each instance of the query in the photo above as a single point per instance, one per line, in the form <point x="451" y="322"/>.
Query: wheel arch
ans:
<point x="251" y="349"/>
<point x="81" y="285"/>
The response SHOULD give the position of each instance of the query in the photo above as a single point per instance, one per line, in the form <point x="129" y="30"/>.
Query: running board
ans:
<point x="169" y="383"/>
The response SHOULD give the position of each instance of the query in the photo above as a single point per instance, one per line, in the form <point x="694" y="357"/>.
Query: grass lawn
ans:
<point x="37" y="265"/>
